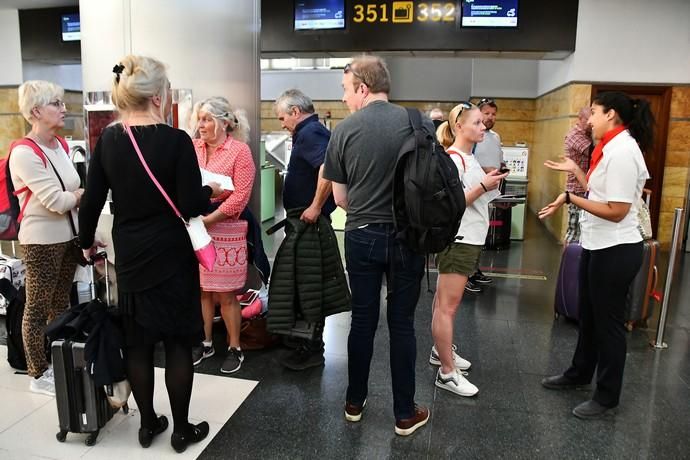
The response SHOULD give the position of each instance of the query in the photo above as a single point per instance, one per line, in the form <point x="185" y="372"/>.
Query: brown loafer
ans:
<point x="407" y="426"/>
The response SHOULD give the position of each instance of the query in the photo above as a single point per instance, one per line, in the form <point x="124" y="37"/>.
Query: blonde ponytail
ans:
<point x="444" y="135"/>
<point x="240" y="126"/>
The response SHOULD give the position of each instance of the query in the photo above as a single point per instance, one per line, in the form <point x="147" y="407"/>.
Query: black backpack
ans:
<point x="428" y="198"/>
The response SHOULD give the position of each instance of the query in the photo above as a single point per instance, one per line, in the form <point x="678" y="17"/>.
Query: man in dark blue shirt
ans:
<point x="305" y="187"/>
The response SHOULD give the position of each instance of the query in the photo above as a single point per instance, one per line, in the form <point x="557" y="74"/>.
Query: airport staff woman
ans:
<point x="612" y="245"/>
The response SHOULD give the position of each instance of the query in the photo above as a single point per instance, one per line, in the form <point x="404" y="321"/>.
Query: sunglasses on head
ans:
<point x="484" y="101"/>
<point x="464" y="105"/>
<point x="348" y="68"/>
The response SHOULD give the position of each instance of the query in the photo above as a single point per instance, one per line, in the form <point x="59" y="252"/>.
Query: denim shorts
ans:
<point x="459" y="258"/>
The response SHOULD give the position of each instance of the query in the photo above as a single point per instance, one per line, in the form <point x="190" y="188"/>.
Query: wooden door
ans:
<point x="659" y="98"/>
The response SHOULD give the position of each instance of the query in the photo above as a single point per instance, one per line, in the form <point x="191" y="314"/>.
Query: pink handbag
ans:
<point x="201" y="241"/>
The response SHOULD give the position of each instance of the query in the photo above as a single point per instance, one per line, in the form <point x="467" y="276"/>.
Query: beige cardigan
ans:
<point x="45" y="219"/>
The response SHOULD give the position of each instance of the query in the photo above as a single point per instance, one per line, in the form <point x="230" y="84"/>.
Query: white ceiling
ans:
<point x="34" y="4"/>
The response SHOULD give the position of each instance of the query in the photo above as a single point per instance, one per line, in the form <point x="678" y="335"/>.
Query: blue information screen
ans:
<point x="489" y="13"/>
<point x="319" y="14"/>
<point x="71" y="27"/>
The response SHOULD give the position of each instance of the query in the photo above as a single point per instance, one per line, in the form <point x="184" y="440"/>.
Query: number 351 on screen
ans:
<point x="402" y="12"/>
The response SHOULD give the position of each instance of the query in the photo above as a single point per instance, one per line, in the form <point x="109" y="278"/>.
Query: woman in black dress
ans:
<point x="157" y="272"/>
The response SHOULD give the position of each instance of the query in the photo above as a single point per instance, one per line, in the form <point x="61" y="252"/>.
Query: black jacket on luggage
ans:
<point x="308" y="279"/>
<point x="92" y="323"/>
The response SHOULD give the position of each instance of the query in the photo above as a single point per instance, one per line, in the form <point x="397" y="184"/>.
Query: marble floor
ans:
<point x="29" y="421"/>
<point x="509" y="334"/>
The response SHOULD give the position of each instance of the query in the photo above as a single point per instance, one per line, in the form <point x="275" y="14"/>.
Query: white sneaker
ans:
<point x="460" y="362"/>
<point x="456" y="383"/>
<point x="49" y="374"/>
<point x="43" y="385"/>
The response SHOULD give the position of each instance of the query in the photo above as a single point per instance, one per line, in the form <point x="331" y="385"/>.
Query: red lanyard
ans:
<point x="455" y="152"/>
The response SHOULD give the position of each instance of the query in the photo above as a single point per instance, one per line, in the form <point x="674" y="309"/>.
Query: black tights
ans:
<point x="179" y="376"/>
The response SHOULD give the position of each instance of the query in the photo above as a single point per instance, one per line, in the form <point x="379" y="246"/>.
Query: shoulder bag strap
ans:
<point x="153" y="178"/>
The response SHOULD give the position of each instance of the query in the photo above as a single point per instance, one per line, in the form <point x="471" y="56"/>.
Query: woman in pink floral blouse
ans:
<point x="221" y="148"/>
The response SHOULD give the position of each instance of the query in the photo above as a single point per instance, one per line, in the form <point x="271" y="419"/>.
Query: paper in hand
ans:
<point x="224" y="181"/>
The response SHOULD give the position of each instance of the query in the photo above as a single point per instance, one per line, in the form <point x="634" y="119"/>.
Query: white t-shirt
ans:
<point x="620" y="177"/>
<point x="475" y="222"/>
<point x="488" y="152"/>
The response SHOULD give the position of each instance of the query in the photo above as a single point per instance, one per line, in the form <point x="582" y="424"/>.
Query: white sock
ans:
<point x="207" y="343"/>
<point x="446" y="375"/>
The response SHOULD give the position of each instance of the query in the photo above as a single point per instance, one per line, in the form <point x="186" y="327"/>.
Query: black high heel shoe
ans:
<point x="146" y="435"/>
<point x="194" y="433"/>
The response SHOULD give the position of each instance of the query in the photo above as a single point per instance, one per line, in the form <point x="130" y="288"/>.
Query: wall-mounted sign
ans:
<point x="319" y="14"/>
<point x="489" y="13"/>
<point x="296" y="26"/>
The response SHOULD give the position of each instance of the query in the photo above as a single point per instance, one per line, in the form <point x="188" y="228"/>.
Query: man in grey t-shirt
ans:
<point x="360" y="161"/>
<point x="488" y="152"/>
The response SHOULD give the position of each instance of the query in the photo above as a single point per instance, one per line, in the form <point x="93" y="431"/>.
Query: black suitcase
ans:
<point x="498" y="236"/>
<point x="82" y="406"/>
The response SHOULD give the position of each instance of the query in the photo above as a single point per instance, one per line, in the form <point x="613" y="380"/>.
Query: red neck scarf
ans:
<point x="598" y="152"/>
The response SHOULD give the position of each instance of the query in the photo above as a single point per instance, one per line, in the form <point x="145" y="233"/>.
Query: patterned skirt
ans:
<point x="230" y="270"/>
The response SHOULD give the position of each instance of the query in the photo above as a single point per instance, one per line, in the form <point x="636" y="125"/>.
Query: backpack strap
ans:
<point x="415" y="118"/>
<point x="63" y="143"/>
<point x="28" y="142"/>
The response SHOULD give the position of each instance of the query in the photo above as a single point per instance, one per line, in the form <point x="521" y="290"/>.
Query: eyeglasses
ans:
<point x="464" y="105"/>
<point x="348" y="68"/>
<point x="485" y="101"/>
<point x="58" y="104"/>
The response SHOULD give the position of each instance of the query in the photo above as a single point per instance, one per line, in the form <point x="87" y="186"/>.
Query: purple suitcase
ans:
<point x="567" y="302"/>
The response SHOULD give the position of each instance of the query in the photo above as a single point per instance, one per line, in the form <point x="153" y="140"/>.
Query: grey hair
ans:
<point x="220" y="109"/>
<point x="294" y="98"/>
<point x="37" y="93"/>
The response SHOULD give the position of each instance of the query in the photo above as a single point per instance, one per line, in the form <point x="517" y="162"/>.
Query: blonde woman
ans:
<point x="458" y="261"/>
<point x="48" y="224"/>
<point x="157" y="272"/>
<point x="221" y="148"/>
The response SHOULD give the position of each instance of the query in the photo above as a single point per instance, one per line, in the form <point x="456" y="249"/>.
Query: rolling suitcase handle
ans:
<point x="101" y="255"/>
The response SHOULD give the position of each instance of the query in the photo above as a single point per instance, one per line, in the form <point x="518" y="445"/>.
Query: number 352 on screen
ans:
<point x="404" y="12"/>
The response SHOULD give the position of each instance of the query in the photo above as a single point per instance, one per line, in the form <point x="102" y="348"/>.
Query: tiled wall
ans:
<point x="677" y="167"/>
<point x="555" y="113"/>
<point x="515" y="120"/>
<point x="11" y="122"/>
<point x="13" y="125"/>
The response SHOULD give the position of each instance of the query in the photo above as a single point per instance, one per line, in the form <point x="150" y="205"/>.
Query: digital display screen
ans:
<point x="489" y="13"/>
<point x="319" y="14"/>
<point x="71" y="27"/>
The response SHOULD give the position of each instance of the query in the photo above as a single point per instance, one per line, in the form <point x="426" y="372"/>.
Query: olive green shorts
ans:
<point x="459" y="258"/>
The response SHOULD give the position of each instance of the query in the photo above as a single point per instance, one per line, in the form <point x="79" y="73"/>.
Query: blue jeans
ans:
<point x="371" y="252"/>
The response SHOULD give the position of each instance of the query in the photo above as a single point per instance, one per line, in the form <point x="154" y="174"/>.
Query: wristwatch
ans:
<point x="567" y="197"/>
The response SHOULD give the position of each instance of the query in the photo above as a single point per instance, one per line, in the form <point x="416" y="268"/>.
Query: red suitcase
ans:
<point x="638" y="306"/>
